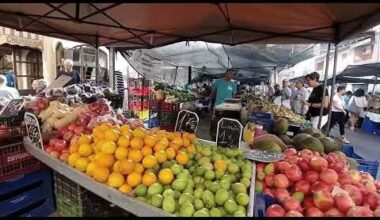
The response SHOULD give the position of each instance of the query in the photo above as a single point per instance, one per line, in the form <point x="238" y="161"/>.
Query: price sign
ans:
<point x="264" y="156"/>
<point x="187" y="121"/>
<point x="60" y="82"/>
<point x="12" y="108"/>
<point x="228" y="133"/>
<point x="34" y="131"/>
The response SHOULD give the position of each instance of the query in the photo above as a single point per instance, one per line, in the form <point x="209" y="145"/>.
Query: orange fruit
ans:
<point x="192" y="137"/>
<point x="159" y="146"/>
<point x="161" y="156"/>
<point x="185" y="134"/>
<point x="121" y="153"/>
<point x="149" y="178"/>
<point x="170" y="135"/>
<point x="126" y="166"/>
<point x="111" y="135"/>
<point x="91" y="167"/>
<point x="220" y="165"/>
<point x="85" y="150"/>
<point x="134" y="179"/>
<point x="81" y="164"/>
<point x="139" y="168"/>
<point x="170" y="152"/>
<point x="105" y="126"/>
<point x="104" y="159"/>
<point x="101" y="174"/>
<point x="85" y="139"/>
<point x="73" y="159"/>
<point x="146" y="151"/>
<point x="139" y="132"/>
<point x="149" y="162"/>
<point x="125" y="188"/>
<point x="165" y="176"/>
<point x="123" y="141"/>
<point x="150" y="140"/>
<point x="98" y="134"/>
<point x="182" y="158"/>
<point x="115" y="167"/>
<point x="174" y="146"/>
<point x="125" y="130"/>
<point x="108" y="147"/>
<point x="73" y="148"/>
<point x="135" y="155"/>
<point x="115" y="180"/>
<point x="91" y="157"/>
<point x="136" y="143"/>
<point x="178" y="141"/>
<point x="191" y="149"/>
<point x="186" y="142"/>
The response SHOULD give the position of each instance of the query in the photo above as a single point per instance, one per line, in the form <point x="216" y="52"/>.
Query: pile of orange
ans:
<point x="124" y="158"/>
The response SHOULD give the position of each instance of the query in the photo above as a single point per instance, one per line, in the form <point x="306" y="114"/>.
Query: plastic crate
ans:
<point x="153" y="122"/>
<point x="169" y="107"/>
<point x="27" y="195"/>
<point x="263" y="115"/>
<point x="167" y="126"/>
<point x="13" y="153"/>
<point x="364" y="165"/>
<point x="168" y="117"/>
<point x="75" y="201"/>
<point x="22" y="167"/>
<point x="12" y="126"/>
<point x="267" y="123"/>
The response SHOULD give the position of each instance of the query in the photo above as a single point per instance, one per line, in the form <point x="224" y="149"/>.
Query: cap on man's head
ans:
<point x="230" y="70"/>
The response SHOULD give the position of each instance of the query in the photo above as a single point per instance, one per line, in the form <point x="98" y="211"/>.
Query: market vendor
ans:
<point x="224" y="88"/>
<point x="316" y="101"/>
<point x="68" y="71"/>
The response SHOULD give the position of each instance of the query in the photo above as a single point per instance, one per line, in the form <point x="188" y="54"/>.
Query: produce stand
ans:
<point x="130" y="204"/>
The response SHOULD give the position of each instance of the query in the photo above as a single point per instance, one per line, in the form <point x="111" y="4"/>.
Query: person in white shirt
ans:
<point x="6" y="92"/>
<point x="302" y="94"/>
<point x="338" y="113"/>
<point x="356" y="107"/>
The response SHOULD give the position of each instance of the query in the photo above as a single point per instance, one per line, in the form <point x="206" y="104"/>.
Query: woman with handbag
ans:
<point x="358" y="102"/>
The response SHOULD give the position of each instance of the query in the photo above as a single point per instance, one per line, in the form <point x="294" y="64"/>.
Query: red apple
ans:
<point x="333" y="212"/>
<point x="71" y="127"/>
<point x="281" y="166"/>
<point x="308" y="202"/>
<point x="355" y="176"/>
<point x="312" y="176"/>
<point x="302" y="186"/>
<point x="376" y="213"/>
<point x="321" y="186"/>
<point x="60" y="145"/>
<point x="367" y="176"/>
<point x="292" y="159"/>
<point x="318" y="163"/>
<point x="64" y="151"/>
<point x="281" y="194"/>
<point x="54" y="154"/>
<point x="294" y="213"/>
<point x="306" y="154"/>
<point x="291" y="203"/>
<point x="314" y="212"/>
<point x="275" y="211"/>
<point x="268" y="192"/>
<point x="303" y="163"/>
<point x="64" y="157"/>
<point x="290" y="151"/>
<point x="53" y="141"/>
<point x="74" y="139"/>
<point x="67" y="136"/>
<point x="372" y="199"/>
<point x="344" y="178"/>
<point x="79" y="130"/>
<point x="329" y="176"/>
<point x="369" y="185"/>
<point x="260" y="167"/>
<point x="49" y="149"/>
<point x="269" y="180"/>
<point x="354" y="193"/>
<point x="323" y="200"/>
<point x="293" y="173"/>
<point x="343" y="202"/>
<point x="281" y="181"/>
<point x="359" y="211"/>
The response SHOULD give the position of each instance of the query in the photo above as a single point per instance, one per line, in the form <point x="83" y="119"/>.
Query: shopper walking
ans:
<point x="338" y="112"/>
<point x="358" y="102"/>
<point x="316" y="101"/>
<point x="301" y="96"/>
<point x="68" y="71"/>
<point x="293" y="96"/>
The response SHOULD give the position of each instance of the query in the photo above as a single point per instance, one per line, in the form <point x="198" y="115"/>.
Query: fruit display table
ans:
<point x="112" y="195"/>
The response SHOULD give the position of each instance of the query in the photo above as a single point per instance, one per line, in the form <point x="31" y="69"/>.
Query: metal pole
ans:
<point x="112" y="67"/>
<point x="324" y="85"/>
<point x="275" y="75"/>
<point x="189" y="76"/>
<point x="332" y="88"/>
<point x="97" y="80"/>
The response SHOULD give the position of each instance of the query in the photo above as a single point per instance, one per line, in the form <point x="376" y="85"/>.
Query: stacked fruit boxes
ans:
<point x="138" y="97"/>
<point x="28" y="195"/>
<point x="168" y="115"/>
<point x="75" y="201"/>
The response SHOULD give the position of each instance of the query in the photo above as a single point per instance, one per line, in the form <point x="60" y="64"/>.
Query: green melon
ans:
<point x="269" y="146"/>
<point x="312" y="143"/>
<point x="298" y="139"/>
<point x="280" y="126"/>
<point x="330" y="145"/>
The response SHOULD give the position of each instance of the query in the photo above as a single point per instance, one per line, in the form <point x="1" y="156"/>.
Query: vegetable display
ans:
<point x="174" y="94"/>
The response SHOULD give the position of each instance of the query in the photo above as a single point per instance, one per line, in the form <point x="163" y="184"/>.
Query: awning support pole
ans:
<point x="332" y="88"/>
<point x="97" y="80"/>
<point x="189" y="76"/>
<point x="324" y="85"/>
<point x="275" y="75"/>
<point x="112" y="67"/>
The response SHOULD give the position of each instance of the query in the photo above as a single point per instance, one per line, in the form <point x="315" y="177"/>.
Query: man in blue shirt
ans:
<point x="224" y="88"/>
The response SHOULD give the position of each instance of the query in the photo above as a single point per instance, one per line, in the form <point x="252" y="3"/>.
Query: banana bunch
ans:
<point x="249" y="133"/>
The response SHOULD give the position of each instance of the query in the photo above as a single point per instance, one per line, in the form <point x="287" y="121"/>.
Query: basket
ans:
<point x="364" y="165"/>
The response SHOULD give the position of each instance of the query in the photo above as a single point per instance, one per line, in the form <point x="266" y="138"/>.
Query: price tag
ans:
<point x="264" y="156"/>
<point x="60" y="82"/>
<point x="187" y="121"/>
<point x="13" y="107"/>
<point x="228" y="133"/>
<point x="34" y="131"/>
